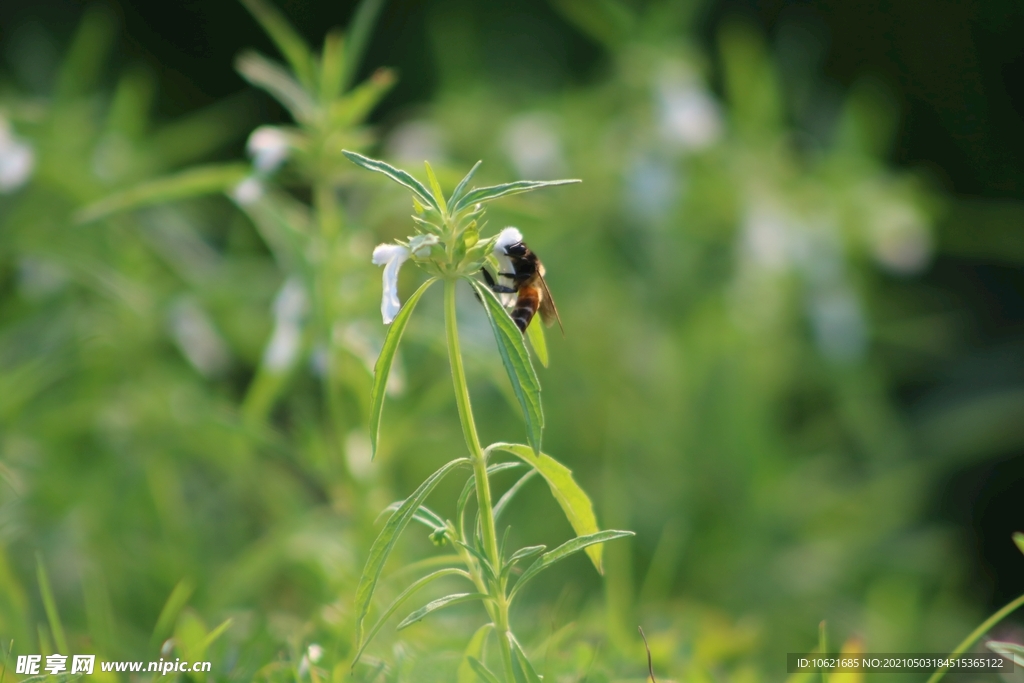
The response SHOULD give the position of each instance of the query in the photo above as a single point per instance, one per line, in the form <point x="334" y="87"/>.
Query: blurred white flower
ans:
<point x="391" y="256"/>
<point x="289" y="309"/>
<point x="652" y="188"/>
<point x="900" y="240"/>
<point x="315" y="652"/>
<point x="196" y="336"/>
<point x="838" y="322"/>
<point x="359" y="455"/>
<point x="269" y="147"/>
<point x="765" y="237"/>
<point x="17" y="159"/>
<point x="532" y="143"/>
<point x="414" y="142"/>
<point x="248" y="191"/>
<point x="688" y="116"/>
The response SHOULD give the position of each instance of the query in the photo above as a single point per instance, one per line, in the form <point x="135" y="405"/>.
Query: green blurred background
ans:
<point x="791" y="285"/>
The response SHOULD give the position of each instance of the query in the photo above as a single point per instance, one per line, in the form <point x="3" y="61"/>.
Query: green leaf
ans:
<point x="435" y="188"/>
<point x="522" y="669"/>
<point x="480" y="670"/>
<point x="175" y="602"/>
<point x="359" y="31"/>
<point x="434" y="605"/>
<point x="288" y="41"/>
<point x="517" y="363"/>
<point x="475" y="650"/>
<point x="507" y="497"/>
<point x="272" y="77"/>
<point x="540" y="345"/>
<point x="1018" y="540"/>
<point x="565" y="550"/>
<point x="83" y="63"/>
<point x="608" y="21"/>
<point x="400" y="600"/>
<point x="50" y="606"/>
<point x="574" y="502"/>
<point x="382" y="368"/>
<point x="385" y="542"/>
<point x="520" y="555"/>
<point x="468" y="489"/>
<point x="401" y="177"/>
<point x="461" y="187"/>
<point x="332" y="66"/>
<point x="486" y="194"/>
<point x="194" y="182"/>
<point x="485" y="564"/>
<point x="360" y="101"/>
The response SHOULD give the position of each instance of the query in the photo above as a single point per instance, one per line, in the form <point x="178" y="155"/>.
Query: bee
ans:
<point x="527" y="281"/>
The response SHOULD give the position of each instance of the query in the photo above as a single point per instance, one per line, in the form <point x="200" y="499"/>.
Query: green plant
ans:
<point x="449" y="247"/>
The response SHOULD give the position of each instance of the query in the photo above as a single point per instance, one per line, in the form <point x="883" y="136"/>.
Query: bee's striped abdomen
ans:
<point x="526" y="307"/>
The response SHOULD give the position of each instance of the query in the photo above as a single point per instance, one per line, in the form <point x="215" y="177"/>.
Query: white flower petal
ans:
<point x="17" y="160"/>
<point x="391" y="256"/>
<point x="420" y="244"/>
<point x="269" y="147"/>
<point x="248" y="191"/>
<point x="506" y="238"/>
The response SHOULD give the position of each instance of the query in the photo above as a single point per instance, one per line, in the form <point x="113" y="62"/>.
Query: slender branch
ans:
<point x="976" y="635"/>
<point x="483" y="486"/>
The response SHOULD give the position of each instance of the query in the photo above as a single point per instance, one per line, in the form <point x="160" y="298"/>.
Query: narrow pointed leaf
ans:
<point x="461" y="187"/>
<point x="359" y="31"/>
<point x="522" y="669"/>
<point x="565" y="550"/>
<point x="360" y="101"/>
<point x="401" y="177"/>
<point x="195" y="182"/>
<point x="270" y="76"/>
<point x="507" y="497"/>
<point x="520" y="555"/>
<point x="400" y="600"/>
<point x="479" y="669"/>
<point x="382" y="368"/>
<point x="540" y="345"/>
<point x="288" y="41"/>
<point x="474" y="650"/>
<point x="434" y="605"/>
<point x="517" y="364"/>
<point x="573" y="500"/>
<point x="486" y="194"/>
<point x="332" y="66"/>
<point x="468" y="489"/>
<point x="386" y="540"/>
<point x="435" y="188"/>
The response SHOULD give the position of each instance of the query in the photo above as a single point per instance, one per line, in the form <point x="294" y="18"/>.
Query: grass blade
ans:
<point x="517" y="364"/>
<point x="565" y="550"/>
<point x="288" y="41"/>
<point x="332" y="66"/>
<point x="573" y="500"/>
<point x="386" y="359"/>
<point x="400" y="600"/>
<point x="486" y="194"/>
<point x="175" y="602"/>
<point x="386" y="540"/>
<point x="399" y="176"/>
<point x="440" y="603"/>
<point x="195" y="182"/>
<point x="50" y="605"/>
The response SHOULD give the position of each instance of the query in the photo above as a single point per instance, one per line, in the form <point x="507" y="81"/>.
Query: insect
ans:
<point x="527" y="278"/>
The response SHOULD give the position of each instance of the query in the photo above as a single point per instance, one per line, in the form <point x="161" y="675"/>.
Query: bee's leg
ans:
<point x="502" y="289"/>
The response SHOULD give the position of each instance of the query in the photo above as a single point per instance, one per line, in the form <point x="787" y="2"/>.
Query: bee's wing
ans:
<point x="548" y="311"/>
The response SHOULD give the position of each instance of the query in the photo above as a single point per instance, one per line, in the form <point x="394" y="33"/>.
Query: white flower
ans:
<point x="289" y="308"/>
<point x="532" y="142"/>
<point x="17" y="159"/>
<point x="689" y="118"/>
<point x="391" y="256"/>
<point x="248" y="191"/>
<point x="268" y="146"/>
<point x="506" y="238"/>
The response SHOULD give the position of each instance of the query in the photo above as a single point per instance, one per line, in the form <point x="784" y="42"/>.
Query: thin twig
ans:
<point x="650" y="664"/>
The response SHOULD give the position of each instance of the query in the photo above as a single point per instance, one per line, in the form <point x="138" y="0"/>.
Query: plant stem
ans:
<point x="483" y="486"/>
<point x="977" y="633"/>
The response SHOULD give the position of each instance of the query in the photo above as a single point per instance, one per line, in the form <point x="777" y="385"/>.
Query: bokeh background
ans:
<point x="791" y="284"/>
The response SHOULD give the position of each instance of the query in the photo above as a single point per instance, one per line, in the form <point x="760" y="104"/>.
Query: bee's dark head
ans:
<point x="517" y="249"/>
